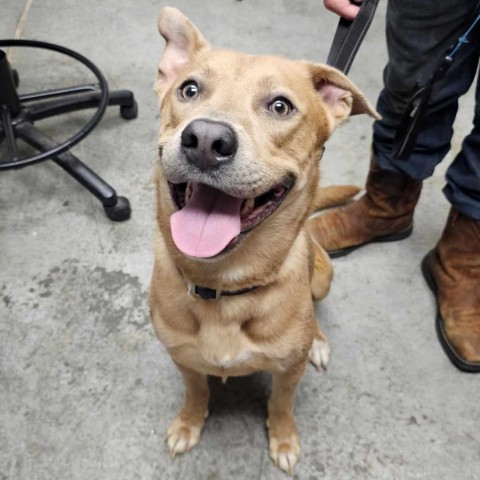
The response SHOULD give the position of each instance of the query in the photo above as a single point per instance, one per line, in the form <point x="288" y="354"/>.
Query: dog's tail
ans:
<point x="333" y="196"/>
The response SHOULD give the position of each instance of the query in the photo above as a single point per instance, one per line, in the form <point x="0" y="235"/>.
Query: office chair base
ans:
<point x="18" y="114"/>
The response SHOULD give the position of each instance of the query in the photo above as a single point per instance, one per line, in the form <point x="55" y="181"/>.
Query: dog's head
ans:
<point x="240" y="140"/>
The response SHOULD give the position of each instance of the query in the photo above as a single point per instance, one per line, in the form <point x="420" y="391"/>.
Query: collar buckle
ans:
<point x="194" y="292"/>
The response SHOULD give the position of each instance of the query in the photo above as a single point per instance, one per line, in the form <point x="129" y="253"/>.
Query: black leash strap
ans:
<point x="349" y="37"/>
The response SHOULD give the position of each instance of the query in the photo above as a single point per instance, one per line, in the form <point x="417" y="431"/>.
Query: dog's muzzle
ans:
<point x="208" y="144"/>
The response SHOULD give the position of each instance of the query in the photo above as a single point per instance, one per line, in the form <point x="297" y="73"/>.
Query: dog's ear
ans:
<point x="183" y="41"/>
<point x="339" y="94"/>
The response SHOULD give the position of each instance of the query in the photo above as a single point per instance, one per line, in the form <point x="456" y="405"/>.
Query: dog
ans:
<point x="235" y="272"/>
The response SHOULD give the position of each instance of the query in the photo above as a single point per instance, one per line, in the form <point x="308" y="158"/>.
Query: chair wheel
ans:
<point x="129" y="113"/>
<point x="119" y="212"/>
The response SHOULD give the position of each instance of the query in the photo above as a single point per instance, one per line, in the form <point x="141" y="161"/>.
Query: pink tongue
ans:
<point x="207" y="224"/>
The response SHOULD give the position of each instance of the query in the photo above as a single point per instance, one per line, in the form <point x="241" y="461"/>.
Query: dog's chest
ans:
<point x="224" y="345"/>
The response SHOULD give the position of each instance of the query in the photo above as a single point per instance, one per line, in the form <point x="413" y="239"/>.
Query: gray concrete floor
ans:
<point x="86" y="390"/>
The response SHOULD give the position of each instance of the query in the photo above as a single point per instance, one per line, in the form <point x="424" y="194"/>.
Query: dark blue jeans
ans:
<point x="419" y="32"/>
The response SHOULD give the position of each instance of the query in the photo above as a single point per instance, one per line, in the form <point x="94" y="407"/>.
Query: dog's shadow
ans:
<point x="248" y="395"/>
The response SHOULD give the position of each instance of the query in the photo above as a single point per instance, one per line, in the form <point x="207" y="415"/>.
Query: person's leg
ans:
<point x="417" y="37"/>
<point x="452" y="269"/>
<point x="463" y="175"/>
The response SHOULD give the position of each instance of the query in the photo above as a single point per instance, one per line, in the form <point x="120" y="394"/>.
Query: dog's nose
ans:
<point x="208" y="144"/>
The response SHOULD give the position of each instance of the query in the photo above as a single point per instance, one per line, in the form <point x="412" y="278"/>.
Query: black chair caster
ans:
<point x="129" y="113"/>
<point x="120" y="211"/>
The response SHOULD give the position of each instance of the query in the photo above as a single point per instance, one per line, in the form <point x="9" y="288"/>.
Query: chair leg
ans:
<point x="116" y="208"/>
<point x="71" y="103"/>
<point x="8" y="132"/>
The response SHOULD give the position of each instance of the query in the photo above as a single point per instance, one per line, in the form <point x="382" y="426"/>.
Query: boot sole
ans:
<point x="393" y="237"/>
<point x="460" y="363"/>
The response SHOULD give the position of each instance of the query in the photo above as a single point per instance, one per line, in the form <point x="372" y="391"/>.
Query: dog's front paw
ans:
<point x="182" y="437"/>
<point x="285" y="452"/>
<point x="319" y="354"/>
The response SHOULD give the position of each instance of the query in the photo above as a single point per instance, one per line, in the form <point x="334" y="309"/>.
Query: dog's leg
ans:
<point x="321" y="278"/>
<point x="322" y="273"/>
<point x="184" y="432"/>
<point x="284" y="441"/>
<point x="336" y="195"/>
<point x="319" y="354"/>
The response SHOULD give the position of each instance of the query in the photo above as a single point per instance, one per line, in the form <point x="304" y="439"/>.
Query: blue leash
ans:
<point x="463" y="40"/>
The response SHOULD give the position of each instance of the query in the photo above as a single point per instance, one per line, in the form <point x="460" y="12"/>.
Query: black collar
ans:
<point x="211" y="294"/>
<point x="206" y="293"/>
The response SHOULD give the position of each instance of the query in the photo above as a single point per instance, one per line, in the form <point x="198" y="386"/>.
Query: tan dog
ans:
<point x="235" y="271"/>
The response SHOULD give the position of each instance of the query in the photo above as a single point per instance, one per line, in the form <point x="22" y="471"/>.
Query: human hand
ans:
<point x="344" y="8"/>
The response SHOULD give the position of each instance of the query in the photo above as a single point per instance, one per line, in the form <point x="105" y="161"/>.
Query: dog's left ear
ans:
<point x="339" y="94"/>
<point x="183" y="41"/>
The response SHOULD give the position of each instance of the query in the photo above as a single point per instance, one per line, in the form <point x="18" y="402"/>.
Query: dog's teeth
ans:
<point x="247" y="207"/>
<point x="188" y="193"/>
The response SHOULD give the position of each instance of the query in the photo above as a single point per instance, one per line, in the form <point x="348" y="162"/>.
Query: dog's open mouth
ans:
<point x="210" y="222"/>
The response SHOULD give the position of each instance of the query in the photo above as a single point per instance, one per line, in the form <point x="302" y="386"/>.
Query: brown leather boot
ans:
<point x="383" y="214"/>
<point x="452" y="271"/>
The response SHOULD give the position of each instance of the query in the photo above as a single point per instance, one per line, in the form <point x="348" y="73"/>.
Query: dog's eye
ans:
<point x="281" y="106"/>
<point x="189" y="90"/>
